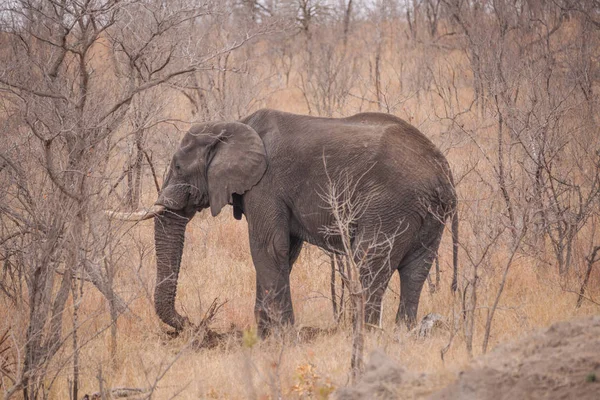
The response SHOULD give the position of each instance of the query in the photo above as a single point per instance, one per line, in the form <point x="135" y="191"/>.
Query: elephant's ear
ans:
<point x="238" y="161"/>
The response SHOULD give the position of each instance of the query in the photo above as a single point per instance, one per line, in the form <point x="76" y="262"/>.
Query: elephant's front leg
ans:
<point x="270" y="254"/>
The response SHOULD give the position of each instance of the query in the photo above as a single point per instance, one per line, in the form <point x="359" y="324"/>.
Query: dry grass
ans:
<point x="217" y="264"/>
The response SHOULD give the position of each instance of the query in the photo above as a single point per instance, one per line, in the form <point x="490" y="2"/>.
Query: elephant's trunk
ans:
<point x="169" y="237"/>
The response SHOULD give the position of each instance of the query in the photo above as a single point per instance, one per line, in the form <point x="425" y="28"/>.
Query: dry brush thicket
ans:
<point x="95" y="94"/>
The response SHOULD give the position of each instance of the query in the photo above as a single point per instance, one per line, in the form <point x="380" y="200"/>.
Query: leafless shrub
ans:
<point x="68" y="123"/>
<point x="359" y="252"/>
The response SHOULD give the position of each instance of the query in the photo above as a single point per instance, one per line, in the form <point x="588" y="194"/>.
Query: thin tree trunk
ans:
<point x="332" y="261"/>
<point x="490" y="317"/>
<point x="433" y="287"/>
<point x="149" y="160"/>
<point x="114" y="314"/>
<point x="437" y="272"/>
<point x="501" y="172"/>
<point x="347" y="15"/>
<point x="343" y="270"/>
<point x="470" y="313"/>
<point x="378" y="78"/>
<point x="130" y="185"/>
<point x="76" y="302"/>
<point x="137" y="178"/>
<point x="358" y="327"/>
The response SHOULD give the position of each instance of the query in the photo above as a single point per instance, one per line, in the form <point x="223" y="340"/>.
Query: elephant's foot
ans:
<point x="183" y="326"/>
<point x="269" y="328"/>
<point x="409" y="320"/>
<point x="270" y="323"/>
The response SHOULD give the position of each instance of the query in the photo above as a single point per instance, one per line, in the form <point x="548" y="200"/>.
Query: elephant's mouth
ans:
<point x="189" y="208"/>
<point x="198" y="200"/>
<point x="170" y="204"/>
<point x="183" y="201"/>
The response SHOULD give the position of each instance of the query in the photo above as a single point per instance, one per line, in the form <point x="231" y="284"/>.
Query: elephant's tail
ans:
<point x="455" y="249"/>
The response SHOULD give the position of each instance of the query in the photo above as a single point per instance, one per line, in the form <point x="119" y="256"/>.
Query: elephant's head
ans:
<point x="214" y="161"/>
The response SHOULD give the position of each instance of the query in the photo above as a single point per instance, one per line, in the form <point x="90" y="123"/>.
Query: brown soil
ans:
<point x="561" y="362"/>
<point x="384" y="379"/>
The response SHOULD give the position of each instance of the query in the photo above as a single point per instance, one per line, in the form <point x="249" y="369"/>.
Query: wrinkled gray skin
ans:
<point x="270" y="167"/>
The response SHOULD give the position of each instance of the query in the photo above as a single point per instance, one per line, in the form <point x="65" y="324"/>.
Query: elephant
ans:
<point x="274" y="167"/>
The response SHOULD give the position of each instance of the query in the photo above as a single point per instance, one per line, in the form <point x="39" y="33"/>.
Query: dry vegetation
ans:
<point x="94" y="96"/>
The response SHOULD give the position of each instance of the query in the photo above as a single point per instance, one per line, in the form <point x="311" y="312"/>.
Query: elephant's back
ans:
<point x="370" y="130"/>
<point x="383" y="151"/>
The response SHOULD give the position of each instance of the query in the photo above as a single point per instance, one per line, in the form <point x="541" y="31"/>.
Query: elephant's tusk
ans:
<point x="136" y="215"/>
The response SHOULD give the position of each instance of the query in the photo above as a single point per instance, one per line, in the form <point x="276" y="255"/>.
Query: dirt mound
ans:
<point x="382" y="379"/>
<point x="561" y="362"/>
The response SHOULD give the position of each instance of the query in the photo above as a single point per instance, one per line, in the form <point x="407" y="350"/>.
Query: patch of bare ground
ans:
<point x="384" y="378"/>
<point x="560" y="362"/>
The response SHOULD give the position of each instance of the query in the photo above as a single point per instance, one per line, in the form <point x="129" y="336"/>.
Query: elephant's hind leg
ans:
<point x="414" y="269"/>
<point x="375" y="275"/>
<point x="374" y="287"/>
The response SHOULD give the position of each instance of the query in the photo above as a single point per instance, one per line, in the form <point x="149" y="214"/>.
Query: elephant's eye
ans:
<point x="177" y="167"/>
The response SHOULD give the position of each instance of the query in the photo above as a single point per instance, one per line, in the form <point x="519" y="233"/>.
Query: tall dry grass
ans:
<point x="217" y="264"/>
